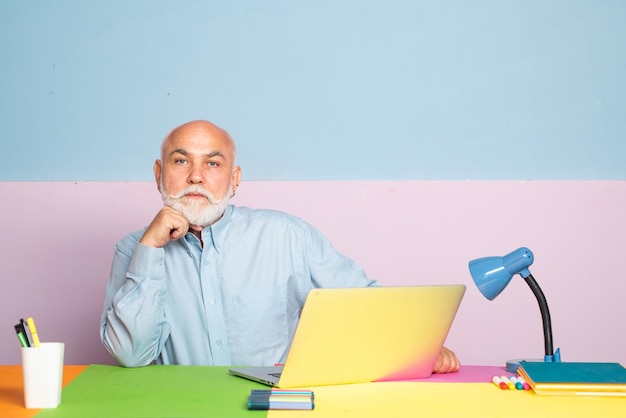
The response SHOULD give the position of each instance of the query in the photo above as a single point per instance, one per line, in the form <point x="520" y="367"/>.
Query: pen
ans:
<point x="26" y="332"/>
<point x="20" y="335"/>
<point x="33" y="332"/>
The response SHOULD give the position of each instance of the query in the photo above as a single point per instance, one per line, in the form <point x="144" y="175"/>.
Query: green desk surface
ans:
<point x="155" y="391"/>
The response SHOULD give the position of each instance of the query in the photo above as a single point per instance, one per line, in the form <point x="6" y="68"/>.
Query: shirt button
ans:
<point x="218" y="342"/>
<point x="212" y="302"/>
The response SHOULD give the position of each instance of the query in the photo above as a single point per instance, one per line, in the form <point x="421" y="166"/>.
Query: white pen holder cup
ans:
<point x="42" y="370"/>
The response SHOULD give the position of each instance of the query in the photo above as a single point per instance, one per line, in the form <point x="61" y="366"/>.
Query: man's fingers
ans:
<point x="447" y="362"/>
<point x="167" y="225"/>
<point x="177" y="233"/>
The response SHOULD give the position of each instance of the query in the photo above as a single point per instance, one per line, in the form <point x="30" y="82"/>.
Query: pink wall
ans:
<point x="58" y="238"/>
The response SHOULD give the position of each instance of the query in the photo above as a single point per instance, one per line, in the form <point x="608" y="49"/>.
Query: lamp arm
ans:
<point x="545" y="314"/>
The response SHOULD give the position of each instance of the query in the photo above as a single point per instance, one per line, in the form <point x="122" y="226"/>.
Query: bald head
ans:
<point x="199" y="129"/>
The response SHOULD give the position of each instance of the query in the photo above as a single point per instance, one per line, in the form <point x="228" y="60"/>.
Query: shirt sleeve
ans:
<point x="133" y="327"/>
<point x="330" y="268"/>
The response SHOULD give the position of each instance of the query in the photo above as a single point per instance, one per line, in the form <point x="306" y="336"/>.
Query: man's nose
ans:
<point x="195" y="176"/>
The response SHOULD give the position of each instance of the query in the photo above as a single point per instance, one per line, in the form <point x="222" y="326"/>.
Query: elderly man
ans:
<point x="209" y="283"/>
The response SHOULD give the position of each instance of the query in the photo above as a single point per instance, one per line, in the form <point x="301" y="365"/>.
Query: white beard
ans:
<point x="197" y="211"/>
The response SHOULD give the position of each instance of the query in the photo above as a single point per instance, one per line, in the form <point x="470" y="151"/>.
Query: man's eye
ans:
<point x="213" y="164"/>
<point x="180" y="161"/>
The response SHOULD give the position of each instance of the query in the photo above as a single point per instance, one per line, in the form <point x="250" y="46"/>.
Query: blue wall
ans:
<point x="317" y="89"/>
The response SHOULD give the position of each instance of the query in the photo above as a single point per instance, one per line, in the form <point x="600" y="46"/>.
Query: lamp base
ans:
<point x="512" y="365"/>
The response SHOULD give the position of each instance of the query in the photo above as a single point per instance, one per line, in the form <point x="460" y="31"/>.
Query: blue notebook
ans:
<point x="575" y="378"/>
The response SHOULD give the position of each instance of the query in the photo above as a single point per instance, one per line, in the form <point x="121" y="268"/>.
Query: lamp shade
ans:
<point x="492" y="274"/>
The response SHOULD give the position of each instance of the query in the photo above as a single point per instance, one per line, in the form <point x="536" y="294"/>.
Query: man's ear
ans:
<point x="235" y="179"/>
<point x="157" y="173"/>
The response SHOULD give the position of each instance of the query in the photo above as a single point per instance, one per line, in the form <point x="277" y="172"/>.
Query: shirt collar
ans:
<point x="213" y="235"/>
<point x="216" y="233"/>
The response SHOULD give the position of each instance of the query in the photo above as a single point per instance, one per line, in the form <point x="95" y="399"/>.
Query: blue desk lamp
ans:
<point x="493" y="274"/>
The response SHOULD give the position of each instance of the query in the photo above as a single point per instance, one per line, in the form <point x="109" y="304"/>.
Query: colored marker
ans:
<point x="508" y="383"/>
<point x="525" y="384"/>
<point x="499" y="383"/>
<point x="20" y="335"/>
<point x="517" y="383"/>
<point x="283" y="392"/>
<point x="22" y="330"/>
<point x="26" y="332"/>
<point x="33" y="332"/>
<point x="265" y="399"/>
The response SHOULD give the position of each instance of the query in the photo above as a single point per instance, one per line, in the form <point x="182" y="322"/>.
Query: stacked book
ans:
<point x="281" y="399"/>
<point x="571" y="378"/>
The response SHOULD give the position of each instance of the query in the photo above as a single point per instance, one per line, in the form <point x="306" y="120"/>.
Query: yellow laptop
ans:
<point x="356" y="335"/>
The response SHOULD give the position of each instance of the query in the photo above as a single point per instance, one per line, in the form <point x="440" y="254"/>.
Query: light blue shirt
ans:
<point x="235" y="300"/>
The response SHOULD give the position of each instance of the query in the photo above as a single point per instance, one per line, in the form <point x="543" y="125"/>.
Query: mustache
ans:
<point x="195" y="190"/>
